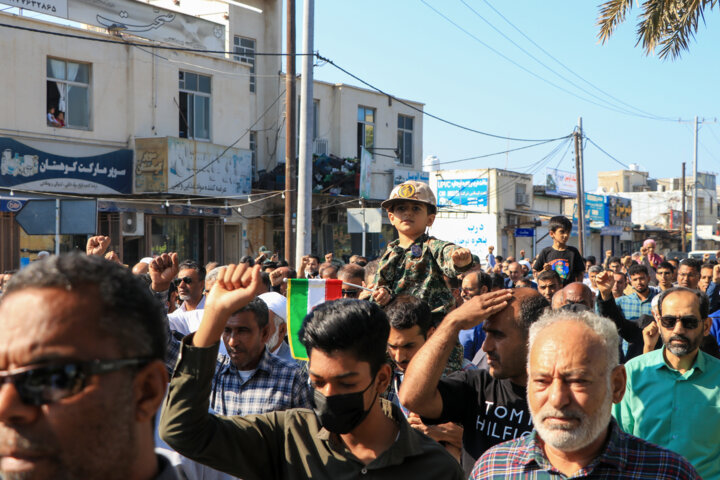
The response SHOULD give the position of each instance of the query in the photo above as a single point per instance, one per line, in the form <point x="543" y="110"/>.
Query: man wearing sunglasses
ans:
<point x="82" y="343"/>
<point x="673" y="393"/>
<point x="351" y="274"/>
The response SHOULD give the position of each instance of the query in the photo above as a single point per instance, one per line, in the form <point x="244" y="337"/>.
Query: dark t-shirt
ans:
<point x="567" y="263"/>
<point x="490" y="410"/>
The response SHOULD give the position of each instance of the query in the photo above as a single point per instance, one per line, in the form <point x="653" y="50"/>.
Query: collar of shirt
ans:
<point x="200" y="305"/>
<point x="265" y="365"/>
<point x="406" y="444"/>
<point x="699" y="363"/>
<point x="614" y="453"/>
<point x="395" y="244"/>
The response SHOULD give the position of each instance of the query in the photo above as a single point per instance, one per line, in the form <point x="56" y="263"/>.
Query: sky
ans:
<point x="407" y="49"/>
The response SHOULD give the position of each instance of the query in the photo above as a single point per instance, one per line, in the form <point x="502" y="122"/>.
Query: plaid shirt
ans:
<point x="624" y="456"/>
<point x="633" y="307"/>
<point x="275" y="385"/>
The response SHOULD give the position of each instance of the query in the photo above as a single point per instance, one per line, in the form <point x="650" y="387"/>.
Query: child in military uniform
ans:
<point x="415" y="263"/>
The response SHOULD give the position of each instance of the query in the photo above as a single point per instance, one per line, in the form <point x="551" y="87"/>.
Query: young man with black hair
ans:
<point x="561" y="257"/>
<point x="350" y="433"/>
<point x="665" y="275"/>
<point x="490" y="403"/>
<point x="548" y="283"/>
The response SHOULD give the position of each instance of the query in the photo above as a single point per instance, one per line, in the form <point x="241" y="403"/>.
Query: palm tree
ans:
<point x="664" y="24"/>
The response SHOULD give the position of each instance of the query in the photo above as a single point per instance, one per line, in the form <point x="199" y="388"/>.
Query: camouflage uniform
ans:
<point x="418" y="271"/>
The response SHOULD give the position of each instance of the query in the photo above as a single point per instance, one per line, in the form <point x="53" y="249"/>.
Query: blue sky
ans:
<point x="407" y="49"/>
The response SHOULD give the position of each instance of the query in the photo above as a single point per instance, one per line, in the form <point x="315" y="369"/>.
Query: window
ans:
<point x="68" y="93"/>
<point x="366" y="129"/>
<point x="194" y="106"/>
<point x="405" y="140"/>
<point x="245" y="52"/>
<point x="253" y="149"/>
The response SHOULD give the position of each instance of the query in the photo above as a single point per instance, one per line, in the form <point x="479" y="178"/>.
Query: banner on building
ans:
<point x="559" y="182"/>
<point x="27" y="168"/>
<point x="466" y="192"/>
<point x="365" y="167"/>
<point x="187" y="167"/>
<point x="148" y="21"/>
<point x="401" y="175"/>
<point x="474" y="231"/>
<point x="619" y="211"/>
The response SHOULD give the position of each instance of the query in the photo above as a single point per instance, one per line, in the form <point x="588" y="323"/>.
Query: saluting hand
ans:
<point x="479" y="308"/>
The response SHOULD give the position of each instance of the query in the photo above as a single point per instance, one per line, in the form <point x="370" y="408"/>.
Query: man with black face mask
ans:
<point x="349" y="433"/>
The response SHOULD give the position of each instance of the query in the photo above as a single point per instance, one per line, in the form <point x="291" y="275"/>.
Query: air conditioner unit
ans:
<point x="132" y="224"/>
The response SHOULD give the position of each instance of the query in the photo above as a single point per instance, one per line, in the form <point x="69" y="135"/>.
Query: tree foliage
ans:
<point x="665" y="25"/>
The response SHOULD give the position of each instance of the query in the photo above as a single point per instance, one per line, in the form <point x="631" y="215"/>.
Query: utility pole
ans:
<point x="683" y="220"/>
<point x="580" y="187"/>
<point x="290" y="129"/>
<point x="694" y="191"/>
<point x="304" y="190"/>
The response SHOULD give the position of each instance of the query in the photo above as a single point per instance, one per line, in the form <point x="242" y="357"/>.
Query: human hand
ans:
<point x="112" y="256"/>
<point x="304" y="261"/>
<point x="462" y="257"/>
<point x="235" y="287"/>
<point x="261" y="258"/>
<point x="415" y="422"/>
<point x="382" y="296"/>
<point x="163" y="269"/>
<point x="716" y="273"/>
<point x="605" y="281"/>
<point x="651" y="333"/>
<point x="706" y="257"/>
<point x="476" y="310"/>
<point x="547" y="267"/>
<point x="97" y="245"/>
<point x="608" y="253"/>
<point x="522" y="253"/>
<point x="276" y="277"/>
<point x="364" y="294"/>
<point x="275" y="258"/>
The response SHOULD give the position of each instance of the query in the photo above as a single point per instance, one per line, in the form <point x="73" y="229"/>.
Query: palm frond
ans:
<point x="612" y="13"/>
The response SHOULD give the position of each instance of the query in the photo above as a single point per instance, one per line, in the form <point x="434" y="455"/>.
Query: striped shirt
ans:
<point x="624" y="456"/>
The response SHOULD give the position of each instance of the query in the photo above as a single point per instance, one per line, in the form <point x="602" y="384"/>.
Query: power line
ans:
<point x="424" y="112"/>
<point x="606" y="153"/>
<point x="498" y="153"/>
<point x="655" y="117"/>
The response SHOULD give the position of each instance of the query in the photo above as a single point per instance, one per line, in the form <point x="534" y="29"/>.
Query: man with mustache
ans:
<point x="673" y="393"/>
<point x="82" y="344"/>
<point x="573" y="380"/>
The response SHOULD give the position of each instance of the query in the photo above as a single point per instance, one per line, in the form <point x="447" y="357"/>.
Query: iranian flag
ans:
<point x="304" y="295"/>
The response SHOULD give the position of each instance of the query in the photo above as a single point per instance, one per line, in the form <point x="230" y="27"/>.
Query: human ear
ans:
<point x="383" y="377"/>
<point x="267" y="331"/>
<point x="149" y="388"/>
<point x="618" y="383"/>
<point x="430" y="219"/>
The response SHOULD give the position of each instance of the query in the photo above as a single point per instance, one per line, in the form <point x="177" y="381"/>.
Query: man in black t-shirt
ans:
<point x="489" y="404"/>
<point x="561" y="257"/>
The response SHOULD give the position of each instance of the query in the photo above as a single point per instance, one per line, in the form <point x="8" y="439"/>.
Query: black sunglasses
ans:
<point x="351" y="293"/>
<point x="187" y="280"/>
<point x="689" y="322"/>
<point x="40" y="385"/>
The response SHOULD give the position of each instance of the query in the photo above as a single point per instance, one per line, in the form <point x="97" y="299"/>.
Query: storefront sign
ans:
<point x="558" y="182"/>
<point x="11" y="204"/>
<point x="149" y="21"/>
<point x="474" y="231"/>
<point x="467" y="192"/>
<point x="26" y="168"/>
<point x="400" y="175"/>
<point x="595" y="210"/>
<point x="177" y="165"/>
<point x="619" y="211"/>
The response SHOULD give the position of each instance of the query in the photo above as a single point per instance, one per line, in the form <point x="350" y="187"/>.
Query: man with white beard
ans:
<point x="277" y="307"/>
<point x="573" y="380"/>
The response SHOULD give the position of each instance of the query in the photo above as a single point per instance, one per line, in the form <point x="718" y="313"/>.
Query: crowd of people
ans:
<point x="435" y="364"/>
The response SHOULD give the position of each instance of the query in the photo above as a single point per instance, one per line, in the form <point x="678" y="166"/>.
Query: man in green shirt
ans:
<point x="673" y="394"/>
<point x="349" y="433"/>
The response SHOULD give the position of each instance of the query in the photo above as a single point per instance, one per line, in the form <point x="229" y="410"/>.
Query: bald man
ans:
<point x="576" y="293"/>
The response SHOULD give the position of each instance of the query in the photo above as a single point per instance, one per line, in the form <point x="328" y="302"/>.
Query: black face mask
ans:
<point x="341" y="413"/>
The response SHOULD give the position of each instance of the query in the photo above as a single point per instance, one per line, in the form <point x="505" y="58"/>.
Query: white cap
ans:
<point x="526" y="263"/>
<point x="42" y="254"/>
<point x="276" y="303"/>
<point x="146" y="260"/>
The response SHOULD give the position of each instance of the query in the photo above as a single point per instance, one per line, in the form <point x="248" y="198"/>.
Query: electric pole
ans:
<point x="683" y="219"/>
<point x="304" y="190"/>
<point x="580" y="187"/>
<point x="290" y="129"/>
<point x="694" y="190"/>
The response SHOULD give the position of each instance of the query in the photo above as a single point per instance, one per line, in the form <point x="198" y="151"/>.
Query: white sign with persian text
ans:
<point x="474" y="231"/>
<point x="56" y="8"/>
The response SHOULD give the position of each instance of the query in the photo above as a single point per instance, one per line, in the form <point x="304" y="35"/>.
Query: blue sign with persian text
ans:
<point x="27" y="168"/>
<point x="466" y="192"/>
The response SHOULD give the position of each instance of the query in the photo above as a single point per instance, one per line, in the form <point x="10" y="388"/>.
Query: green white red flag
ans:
<point x="303" y="296"/>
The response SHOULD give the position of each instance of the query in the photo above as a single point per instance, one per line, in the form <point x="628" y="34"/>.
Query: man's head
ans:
<point x="618" y="289"/>
<point x="346" y="341"/>
<point x="351" y="273"/>
<point x="211" y="278"/>
<point x="277" y="311"/>
<point x="688" y="275"/>
<point x="560" y="227"/>
<point x="370" y="271"/>
<point x="246" y="333"/>
<point x="506" y="334"/>
<point x="492" y="248"/>
<point x="684" y="320"/>
<point x="639" y="278"/>
<point x="62" y="319"/>
<point x="615" y="264"/>
<point x="313" y="265"/>
<point x="573" y="379"/>
<point x="358" y="260"/>
<point x="590" y="261"/>
<point x="665" y="274"/>
<point x="142" y="267"/>
<point x="328" y="271"/>
<point x="576" y="293"/>
<point x="190" y="281"/>
<point x="706" y="275"/>
<point x="515" y="271"/>
<point x="548" y="282"/>
<point x="474" y="283"/>
<point x="593" y="272"/>
<point x="410" y="325"/>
